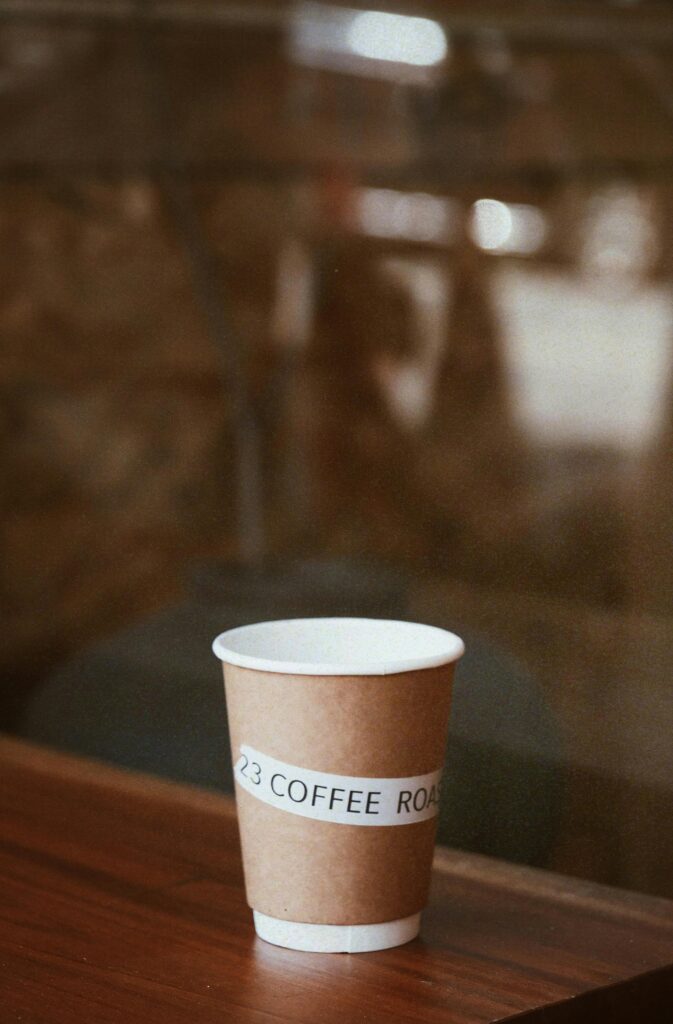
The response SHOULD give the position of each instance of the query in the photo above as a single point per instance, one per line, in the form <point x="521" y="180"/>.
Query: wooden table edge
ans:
<point x="487" y="871"/>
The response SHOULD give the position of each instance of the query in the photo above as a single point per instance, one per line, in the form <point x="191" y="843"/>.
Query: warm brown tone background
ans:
<point x="390" y="726"/>
<point x="117" y="458"/>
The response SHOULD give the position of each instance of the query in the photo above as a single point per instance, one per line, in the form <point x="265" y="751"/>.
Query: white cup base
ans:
<point x="336" y="938"/>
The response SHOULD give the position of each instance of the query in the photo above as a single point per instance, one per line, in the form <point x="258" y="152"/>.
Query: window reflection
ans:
<point x="375" y="44"/>
<point x="452" y="325"/>
<point x="589" y="353"/>
<point x="396" y="37"/>
<point x="415" y="216"/>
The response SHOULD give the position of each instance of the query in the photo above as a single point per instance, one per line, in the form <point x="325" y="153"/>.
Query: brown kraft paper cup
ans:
<point x="363" y="699"/>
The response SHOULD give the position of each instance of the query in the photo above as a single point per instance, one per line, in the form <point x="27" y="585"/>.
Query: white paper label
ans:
<point x="342" y="799"/>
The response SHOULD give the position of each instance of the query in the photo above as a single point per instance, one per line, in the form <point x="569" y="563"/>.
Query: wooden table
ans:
<point x="121" y="899"/>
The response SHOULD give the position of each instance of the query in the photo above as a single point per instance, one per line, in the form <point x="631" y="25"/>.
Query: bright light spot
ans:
<point x="507" y="227"/>
<point x="396" y="37"/>
<point x="491" y="224"/>
<point x="416" y="216"/>
<point x="392" y="47"/>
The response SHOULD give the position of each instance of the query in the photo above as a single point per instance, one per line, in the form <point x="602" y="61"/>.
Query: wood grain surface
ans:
<point x="121" y="899"/>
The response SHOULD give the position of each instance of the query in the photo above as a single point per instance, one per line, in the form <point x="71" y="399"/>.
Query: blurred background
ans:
<point x="322" y="309"/>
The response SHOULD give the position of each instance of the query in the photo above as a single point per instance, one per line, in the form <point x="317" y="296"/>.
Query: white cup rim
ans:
<point x="338" y="646"/>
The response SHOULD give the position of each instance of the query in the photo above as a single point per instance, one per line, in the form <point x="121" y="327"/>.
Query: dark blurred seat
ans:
<point x="151" y="699"/>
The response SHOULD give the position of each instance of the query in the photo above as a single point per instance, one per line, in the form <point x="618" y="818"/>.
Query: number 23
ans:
<point x="250" y="770"/>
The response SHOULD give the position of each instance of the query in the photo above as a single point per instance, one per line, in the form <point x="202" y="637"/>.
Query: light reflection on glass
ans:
<point x="507" y="227"/>
<point x="415" y="216"/>
<point x="396" y="37"/>
<point x="374" y="44"/>
<point x="586" y="364"/>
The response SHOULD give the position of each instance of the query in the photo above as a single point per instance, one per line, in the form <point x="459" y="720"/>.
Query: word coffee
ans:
<point x="341" y="799"/>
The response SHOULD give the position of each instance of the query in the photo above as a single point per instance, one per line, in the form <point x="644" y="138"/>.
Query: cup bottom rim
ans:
<point x="336" y="938"/>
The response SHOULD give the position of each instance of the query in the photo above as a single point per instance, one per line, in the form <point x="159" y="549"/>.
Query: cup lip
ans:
<point x="442" y="647"/>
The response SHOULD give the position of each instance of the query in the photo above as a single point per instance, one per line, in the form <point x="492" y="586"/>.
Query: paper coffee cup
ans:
<point x="338" y="732"/>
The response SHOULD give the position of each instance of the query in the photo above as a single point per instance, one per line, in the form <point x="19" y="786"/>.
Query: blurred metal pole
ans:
<point x="173" y="176"/>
